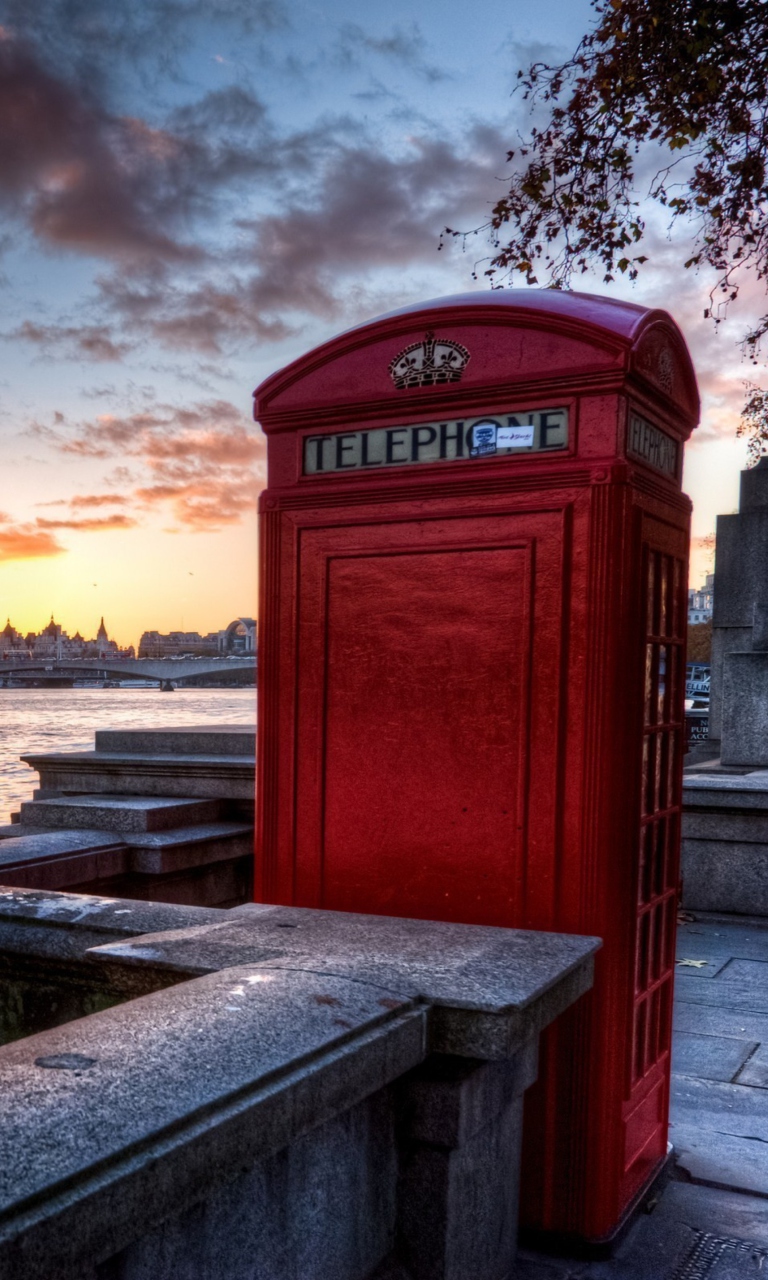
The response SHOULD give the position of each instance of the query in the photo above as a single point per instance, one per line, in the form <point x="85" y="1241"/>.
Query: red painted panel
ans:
<point x="426" y="714"/>
<point x="415" y="746"/>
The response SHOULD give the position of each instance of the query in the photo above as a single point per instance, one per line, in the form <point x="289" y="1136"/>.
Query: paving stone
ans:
<point x="751" y="972"/>
<point x="713" y="964"/>
<point x="722" y="1158"/>
<point x="662" y="1243"/>
<point x="710" y="1057"/>
<point x="728" y="994"/>
<point x="729" y="1260"/>
<point x="725" y="1213"/>
<point x="727" y="1108"/>
<point x="708" y="942"/>
<point x="755" y="1073"/>
<point x="713" y="1020"/>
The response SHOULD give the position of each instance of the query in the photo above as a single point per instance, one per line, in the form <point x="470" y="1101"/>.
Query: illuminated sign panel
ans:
<point x="502" y="435"/>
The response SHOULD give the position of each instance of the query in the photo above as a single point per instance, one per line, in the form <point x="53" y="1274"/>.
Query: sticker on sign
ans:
<point x="515" y="437"/>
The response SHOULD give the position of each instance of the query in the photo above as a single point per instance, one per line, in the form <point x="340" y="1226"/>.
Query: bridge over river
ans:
<point x="64" y="670"/>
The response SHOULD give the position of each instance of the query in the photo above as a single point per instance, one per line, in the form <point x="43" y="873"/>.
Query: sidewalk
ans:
<point x="711" y="1221"/>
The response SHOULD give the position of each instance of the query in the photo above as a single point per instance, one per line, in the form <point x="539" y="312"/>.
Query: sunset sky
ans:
<point x="193" y="192"/>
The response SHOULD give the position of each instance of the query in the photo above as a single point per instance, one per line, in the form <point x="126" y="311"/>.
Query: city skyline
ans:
<point x="195" y="195"/>
<point x="103" y="630"/>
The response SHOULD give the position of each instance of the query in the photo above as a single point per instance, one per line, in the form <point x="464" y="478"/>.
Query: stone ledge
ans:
<point x="190" y="740"/>
<point x="56" y="859"/>
<point x="726" y="791"/>
<point x="177" y="1090"/>
<point x="491" y="989"/>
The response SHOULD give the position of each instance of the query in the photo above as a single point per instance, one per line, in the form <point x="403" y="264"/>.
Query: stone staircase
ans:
<point x="161" y="816"/>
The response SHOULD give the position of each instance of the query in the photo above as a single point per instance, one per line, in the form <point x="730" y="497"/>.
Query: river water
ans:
<point x="66" y="720"/>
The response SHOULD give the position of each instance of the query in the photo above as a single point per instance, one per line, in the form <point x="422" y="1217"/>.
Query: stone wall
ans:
<point x="274" y="1093"/>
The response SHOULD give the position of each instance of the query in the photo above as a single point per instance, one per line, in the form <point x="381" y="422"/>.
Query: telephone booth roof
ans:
<point x="526" y="338"/>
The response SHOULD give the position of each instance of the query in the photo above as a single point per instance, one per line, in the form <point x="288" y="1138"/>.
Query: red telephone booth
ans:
<point x="471" y="672"/>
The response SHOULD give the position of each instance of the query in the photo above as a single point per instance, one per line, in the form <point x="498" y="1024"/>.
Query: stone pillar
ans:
<point x="740" y="633"/>
<point x="461" y="1124"/>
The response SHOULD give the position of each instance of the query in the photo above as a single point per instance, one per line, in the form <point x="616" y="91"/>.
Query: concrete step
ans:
<point x="10" y="830"/>
<point x="60" y="859"/>
<point x="162" y="852"/>
<point x="41" y="858"/>
<point x="229" y="777"/>
<point x="213" y="740"/>
<point x="118" y="813"/>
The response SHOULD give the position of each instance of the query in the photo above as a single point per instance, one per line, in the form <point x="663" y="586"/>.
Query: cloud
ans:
<point x="204" y="500"/>
<point x="205" y="461"/>
<point x="72" y="342"/>
<point x="100" y="42"/>
<point x="26" y="541"/>
<point x="360" y="211"/>
<point x="403" y="47"/>
<point x="368" y="210"/>
<point x="233" y="107"/>
<point x="89" y="525"/>
<point x="87" y="179"/>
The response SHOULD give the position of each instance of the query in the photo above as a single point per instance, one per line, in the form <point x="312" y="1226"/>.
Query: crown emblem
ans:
<point x="429" y="363"/>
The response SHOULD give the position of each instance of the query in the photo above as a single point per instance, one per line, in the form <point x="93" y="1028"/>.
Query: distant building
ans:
<point x="54" y="643"/>
<point x="239" y="638"/>
<point x="701" y="602"/>
<point x="179" y="644"/>
<point x="12" y="642"/>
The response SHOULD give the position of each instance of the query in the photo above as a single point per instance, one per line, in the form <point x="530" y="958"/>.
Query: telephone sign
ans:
<point x="487" y="435"/>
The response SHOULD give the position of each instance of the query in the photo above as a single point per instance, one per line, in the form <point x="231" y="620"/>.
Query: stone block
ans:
<point x="744" y="737"/>
<point x="447" y="1101"/>
<point x="194" y="740"/>
<point x="745" y="827"/>
<point x="58" y="927"/>
<point x="322" y="1209"/>
<point x="760" y="626"/>
<point x="725" y="640"/>
<point x="740" y="572"/>
<point x="718" y="876"/>
<point x="457" y="1219"/>
<point x="250" y="1117"/>
<point x="221" y="884"/>
<point x="124" y="813"/>
<point x="735" y="792"/>
<point x="753" y="488"/>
